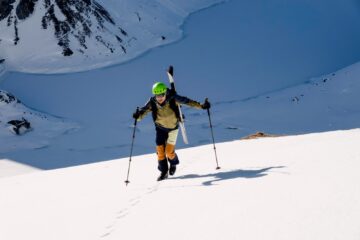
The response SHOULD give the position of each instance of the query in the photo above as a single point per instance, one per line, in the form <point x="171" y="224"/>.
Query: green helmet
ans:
<point x="159" y="88"/>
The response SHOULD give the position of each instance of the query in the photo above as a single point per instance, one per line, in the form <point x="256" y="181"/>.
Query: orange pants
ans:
<point x="166" y="151"/>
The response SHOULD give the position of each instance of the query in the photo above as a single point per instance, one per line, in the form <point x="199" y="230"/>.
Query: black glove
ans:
<point x="206" y="105"/>
<point x="136" y="114"/>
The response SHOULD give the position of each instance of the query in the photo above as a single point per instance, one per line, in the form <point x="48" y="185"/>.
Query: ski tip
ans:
<point x="171" y="70"/>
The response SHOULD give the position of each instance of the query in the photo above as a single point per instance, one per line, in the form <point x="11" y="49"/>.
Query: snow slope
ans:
<point x="43" y="128"/>
<point x="294" y="187"/>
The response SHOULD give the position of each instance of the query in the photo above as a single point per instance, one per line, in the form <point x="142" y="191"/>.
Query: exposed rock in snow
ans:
<point x="17" y="119"/>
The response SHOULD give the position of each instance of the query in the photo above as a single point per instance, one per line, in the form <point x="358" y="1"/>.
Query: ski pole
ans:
<point x="131" y="150"/>
<point x="212" y="134"/>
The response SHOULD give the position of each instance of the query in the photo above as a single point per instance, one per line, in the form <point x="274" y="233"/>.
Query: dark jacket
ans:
<point x="166" y="115"/>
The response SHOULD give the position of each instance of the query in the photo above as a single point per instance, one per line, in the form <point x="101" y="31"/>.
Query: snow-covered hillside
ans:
<point x="295" y="187"/>
<point x="24" y="128"/>
<point x="15" y="135"/>
<point x="50" y="36"/>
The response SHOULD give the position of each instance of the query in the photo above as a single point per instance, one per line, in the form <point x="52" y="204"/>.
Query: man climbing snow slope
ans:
<point x="165" y="112"/>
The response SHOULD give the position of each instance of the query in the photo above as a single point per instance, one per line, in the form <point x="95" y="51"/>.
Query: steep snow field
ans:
<point x="297" y="187"/>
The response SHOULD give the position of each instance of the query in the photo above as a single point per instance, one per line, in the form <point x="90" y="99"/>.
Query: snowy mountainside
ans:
<point x="43" y="126"/>
<point x="298" y="187"/>
<point x="52" y="36"/>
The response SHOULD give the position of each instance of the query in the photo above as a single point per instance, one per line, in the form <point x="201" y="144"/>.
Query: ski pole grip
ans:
<point x="137" y="113"/>
<point x="207" y="103"/>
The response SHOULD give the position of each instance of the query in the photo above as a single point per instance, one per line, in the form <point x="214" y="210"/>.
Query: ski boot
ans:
<point x="163" y="168"/>
<point x="172" y="170"/>
<point x="163" y="175"/>
<point x="173" y="163"/>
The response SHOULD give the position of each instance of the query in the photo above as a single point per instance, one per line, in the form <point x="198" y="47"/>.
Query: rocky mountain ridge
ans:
<point x="63" y="36"/>
<point x="81" y="20"/>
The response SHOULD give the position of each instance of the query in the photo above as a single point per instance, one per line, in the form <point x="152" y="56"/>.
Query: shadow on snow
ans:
<point x="239" y="173"/>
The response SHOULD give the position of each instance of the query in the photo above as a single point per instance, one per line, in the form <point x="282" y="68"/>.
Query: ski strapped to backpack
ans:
<point x="170" y="74"/>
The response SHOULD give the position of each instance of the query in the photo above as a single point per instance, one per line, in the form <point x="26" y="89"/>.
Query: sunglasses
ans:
<point x="160" y="95"/>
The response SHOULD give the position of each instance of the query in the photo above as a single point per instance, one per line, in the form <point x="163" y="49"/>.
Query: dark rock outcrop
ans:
<point x="25" y="8"/>
<point x="6" y="7"/>
<point x="19" y="126"/>
<point x="7" y="98"/>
